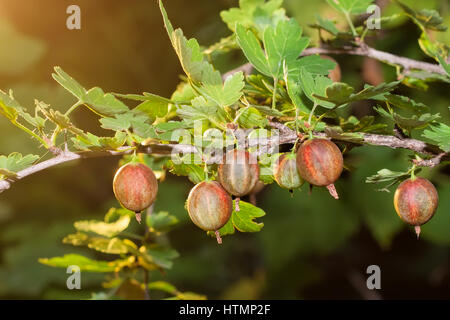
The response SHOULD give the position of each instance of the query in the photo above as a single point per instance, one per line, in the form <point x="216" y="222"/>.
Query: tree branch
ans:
<point x="364" y="50"/>
<point x="433" y="161"/>
<point x="290" y="136"/>
<point x="286" y="136"/>
<point x="68" y="156"/>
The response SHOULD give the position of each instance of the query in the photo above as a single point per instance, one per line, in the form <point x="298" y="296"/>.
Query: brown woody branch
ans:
<point x="433" y="161"/>
<point x="364" y="50"/>
<point x="286" y="136"/>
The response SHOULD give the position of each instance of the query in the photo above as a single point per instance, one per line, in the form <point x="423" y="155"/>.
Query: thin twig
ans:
<point x="286" y="136"/>
<point x="364" y="50"/>
<point x="431" y="162"/>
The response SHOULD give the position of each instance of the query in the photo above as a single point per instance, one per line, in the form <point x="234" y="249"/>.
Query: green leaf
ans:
<point x="11" y="109"/>
<point x="191" y="57"/>
<point x="409" y="123"/>
<point x="268" y="111"/>
<point x="425" y="19"/>
<point x="84" y="263"/>
<point x="160" y="255"/>
<point x="161" y="221"/>
<point x="100" y="244"/>
<point x="350" y="6"/>
<point x="203" y="110"/>
<point x="254" y="13"/>
<point x="440" y="134"/>
<point x="444" y="64"/>
<point x="15" y="162"/>
<point x="283" y="44"/>
<point x="242" y="220"/>
<point x="314" y="64"/>
<point x="386" y="175"/>
<point x="194" y="172"/>
<point x="403" y="102"/>
<point x="337" y="133"/>
<point x="252" y="49"/>
<point x="91" y="142"/>
<point x="119" y="122"/>
<point x="103" y="228"/>
<point x="326" y="25"/>
<point x="250" y="117"/>
<point x="365" y="124"/>
<point x="341" y="94"/>
<point x="152" y="105"/>
<point x="102" y="103"/>
<point x="162" y="286"/>
<point x="69" y="83"/>
<point x="415" y="122"/>
<point x="314" y="87"/>
<point x="226" y="94"/>
<point x="57" y="118"/>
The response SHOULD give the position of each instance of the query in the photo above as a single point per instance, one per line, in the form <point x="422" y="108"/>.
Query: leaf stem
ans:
<point x="311" y="113"/>
<point x="274" y="96"/>
<point x="21" y="126"/>
<point x="72" y="108"/>
<point x="350" y="23"/>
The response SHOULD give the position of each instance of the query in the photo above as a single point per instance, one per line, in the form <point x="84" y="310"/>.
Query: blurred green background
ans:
<point x="311" y="246"/>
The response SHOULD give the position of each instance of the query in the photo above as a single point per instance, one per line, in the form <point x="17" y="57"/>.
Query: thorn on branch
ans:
<point x="431" y="162"/>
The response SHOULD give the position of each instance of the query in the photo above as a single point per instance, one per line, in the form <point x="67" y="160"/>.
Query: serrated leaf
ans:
<point x="226" y="94"/>
<point x="11" y="109"/>
<point x="439" y="133"/>
<point x="425" y="19"/>
<point x="326" y="25"/>
<point x="119" y="122"/>
<point x="103" y="228"/>
<point x="252" y="49"/>
<point x="350" y="6"/>
<point x="337" y="133"/>
<point x="69" y="83"/>
<point x="84" y="263"/>
<point x="340" y="94"/>
<point x="283" y="44"/>
<point x="203" y="110"/>
<point x="403" y="102"/>
<point x="242" y="220"/>
<point x="414" y="122"/>
<point x="444" y="64"/>
<point x="268" y="111"/>
<point x="161" y="221"/>
<point x="386" y="175"/>
<point x="365" y="124"/>
<point x="250" y="117"/>
<point x="102" y="103"/>
<point x="15" y="162"/>
<point x="160" y="255"/>
<point x="190" y="55"/>
<point x="254" y="13"/>
<point x="100" y="244"/>
<point x="314" y="64"/>
<point x="194" y="172"/>
<point x="408" y="123"/>
<point x="314" y="87"/>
